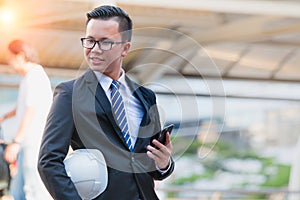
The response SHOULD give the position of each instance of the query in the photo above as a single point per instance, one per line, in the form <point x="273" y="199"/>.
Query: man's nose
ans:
<point x="97" y="47"/>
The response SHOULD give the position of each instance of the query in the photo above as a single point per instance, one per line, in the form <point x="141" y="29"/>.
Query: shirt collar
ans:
<point x="106" y="81"/>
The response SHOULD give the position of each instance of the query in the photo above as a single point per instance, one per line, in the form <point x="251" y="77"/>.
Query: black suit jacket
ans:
<point x="81" y="116"/>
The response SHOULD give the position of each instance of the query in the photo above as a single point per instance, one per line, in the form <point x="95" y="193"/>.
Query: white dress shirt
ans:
<point x="133" y="108"/>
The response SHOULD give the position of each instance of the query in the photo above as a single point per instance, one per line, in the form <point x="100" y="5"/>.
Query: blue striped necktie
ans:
<point x="119" y="111"/>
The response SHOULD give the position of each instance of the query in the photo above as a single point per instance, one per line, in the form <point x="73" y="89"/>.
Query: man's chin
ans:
<point x="98" y="68"/>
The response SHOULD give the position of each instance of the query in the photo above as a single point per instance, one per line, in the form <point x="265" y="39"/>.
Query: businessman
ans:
<point x="105" y="110"/>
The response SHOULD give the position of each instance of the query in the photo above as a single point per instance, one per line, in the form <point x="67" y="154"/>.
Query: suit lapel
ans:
<point x="138" y="94"/>
<point x="102" y="100"/>
<point x="97" y="91"/>
<point x="135" y="88"/>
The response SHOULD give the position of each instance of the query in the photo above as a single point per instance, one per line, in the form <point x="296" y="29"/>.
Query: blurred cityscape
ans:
<point x="226" y="73"/>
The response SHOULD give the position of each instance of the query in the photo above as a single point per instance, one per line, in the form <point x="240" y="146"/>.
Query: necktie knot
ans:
<point x="115" y="85"/>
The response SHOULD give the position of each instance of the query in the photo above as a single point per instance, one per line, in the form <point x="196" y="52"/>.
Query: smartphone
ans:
<point x="162" y="136"/>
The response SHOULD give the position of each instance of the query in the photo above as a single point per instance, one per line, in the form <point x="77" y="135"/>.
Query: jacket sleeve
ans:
<point x="55" y="145"/>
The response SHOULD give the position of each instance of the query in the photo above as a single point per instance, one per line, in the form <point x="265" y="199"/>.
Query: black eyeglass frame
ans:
<point x="99" y="42"/>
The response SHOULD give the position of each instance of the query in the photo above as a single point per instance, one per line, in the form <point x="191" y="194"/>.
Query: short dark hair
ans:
<point x="19" y="46"/>
<point x="107" y="12"/>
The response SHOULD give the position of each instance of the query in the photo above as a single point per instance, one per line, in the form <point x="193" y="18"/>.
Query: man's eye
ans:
<point x="106" y="42"/>
<point x="90" y="41"/>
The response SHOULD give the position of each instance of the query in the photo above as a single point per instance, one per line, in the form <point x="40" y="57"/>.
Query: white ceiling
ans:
<point x="229" y="39"/>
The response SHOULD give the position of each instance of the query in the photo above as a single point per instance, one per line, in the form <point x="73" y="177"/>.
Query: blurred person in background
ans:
<point x="33" y="104"/>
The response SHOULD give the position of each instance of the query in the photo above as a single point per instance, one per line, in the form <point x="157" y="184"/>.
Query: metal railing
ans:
<point x="187" y="193"/>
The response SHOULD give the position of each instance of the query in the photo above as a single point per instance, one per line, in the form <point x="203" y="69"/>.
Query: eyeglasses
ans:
<point x="90" y="43"/>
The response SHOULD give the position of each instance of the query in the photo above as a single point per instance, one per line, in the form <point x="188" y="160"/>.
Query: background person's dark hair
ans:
<point x="108" y="12"/>
<point x="19" y="46"/>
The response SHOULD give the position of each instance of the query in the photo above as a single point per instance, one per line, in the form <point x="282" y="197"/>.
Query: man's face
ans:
<point x="107" y="62"/>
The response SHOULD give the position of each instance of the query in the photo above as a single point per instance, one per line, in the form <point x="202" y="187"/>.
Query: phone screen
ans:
<point x="162" y="135"/>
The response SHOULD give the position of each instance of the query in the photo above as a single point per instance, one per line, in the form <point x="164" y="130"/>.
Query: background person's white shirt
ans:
<point x="34" y="91"/>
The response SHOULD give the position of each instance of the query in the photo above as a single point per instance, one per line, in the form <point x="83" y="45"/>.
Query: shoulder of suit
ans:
<point x="68" y="85"/>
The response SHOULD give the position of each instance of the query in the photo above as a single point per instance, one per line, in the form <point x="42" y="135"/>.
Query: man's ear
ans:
<point x="126" y="48"/>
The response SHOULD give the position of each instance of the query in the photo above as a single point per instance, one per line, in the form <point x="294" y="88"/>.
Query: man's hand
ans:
<point x="11" y="152"/>
<point x="162" y="154"/>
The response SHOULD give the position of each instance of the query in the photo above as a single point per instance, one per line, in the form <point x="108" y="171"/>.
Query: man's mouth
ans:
<point x="96" y="59"/>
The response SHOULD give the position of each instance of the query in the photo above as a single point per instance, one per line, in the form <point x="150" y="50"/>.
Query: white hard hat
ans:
<point x="87" y="170"/>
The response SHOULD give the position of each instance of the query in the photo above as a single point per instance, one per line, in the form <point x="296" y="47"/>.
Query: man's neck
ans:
<point x="27" y="67"/>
